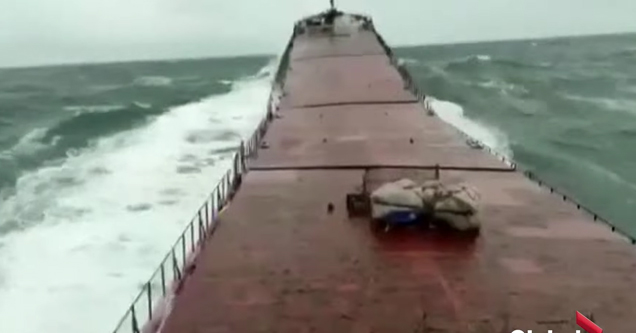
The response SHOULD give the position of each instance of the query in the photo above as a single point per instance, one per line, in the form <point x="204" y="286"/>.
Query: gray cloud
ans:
<point x="61" y="31"/>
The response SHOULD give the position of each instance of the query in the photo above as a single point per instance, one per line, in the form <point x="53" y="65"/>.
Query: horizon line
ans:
<point x="273" y="55"/>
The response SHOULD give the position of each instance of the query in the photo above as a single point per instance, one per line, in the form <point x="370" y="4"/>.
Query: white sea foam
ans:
<point x="27" y="145"/>
<point x="153" y="81"/>
<point x="503" y="87"/>
<point x="614" y="104"/>
<point x="405" y="61"/>
<point x="87" y="246"/>
<point x="454" y="114"/>
<point x="79" y="109"/>
<point x="483" y="57"/>
<point x="477" y="57"/>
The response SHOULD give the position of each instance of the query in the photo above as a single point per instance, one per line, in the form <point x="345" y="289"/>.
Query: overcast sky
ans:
<point x="62" y="31"/>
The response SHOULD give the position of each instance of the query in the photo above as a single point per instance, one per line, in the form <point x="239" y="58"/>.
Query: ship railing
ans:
<point x="165" y="281"/>
<point x="152" y="304"/>
<point x="410" y="85"/>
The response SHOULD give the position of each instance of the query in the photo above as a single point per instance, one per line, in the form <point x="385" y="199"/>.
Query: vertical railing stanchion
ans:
<point x="228" y="180"/>
<point x="226" y="188"/>
<point x="192" y="236"/>
<point x="242" y="157"/>
<point x="208" y="203"/>
<point x="163" y="279"/>
<point x="202" y="234"/>
<point x="213" y="205"/>
<point x="135" y="325"/>
<point x="183" y="253"/>
<point x="176" y="272"/>
<point x="228" y="183"/>
<point x="149" y="294"/>
<point x="222" y="192"/>
<point x="232" y="176"/>
<point x="237" y="156"/>
<point x="218" y="201"/>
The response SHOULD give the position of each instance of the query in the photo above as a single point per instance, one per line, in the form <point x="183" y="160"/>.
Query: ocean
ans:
<point x="102" y="165"/>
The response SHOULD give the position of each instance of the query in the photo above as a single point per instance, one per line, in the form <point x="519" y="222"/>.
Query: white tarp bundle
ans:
<point x="396" y="196"/>
<point x="457" y="205"/>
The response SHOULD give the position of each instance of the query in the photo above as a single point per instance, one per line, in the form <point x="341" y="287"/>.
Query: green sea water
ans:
<point x="566" y="106"/>
<point x="47" y="112"/>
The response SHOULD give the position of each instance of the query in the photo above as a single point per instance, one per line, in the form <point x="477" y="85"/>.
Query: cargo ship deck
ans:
<point x="281" y="260"/>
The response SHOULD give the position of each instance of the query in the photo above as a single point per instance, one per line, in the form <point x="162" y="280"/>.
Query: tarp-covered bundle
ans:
<point x="397" y="199"/>
<point x="457" y="205"/>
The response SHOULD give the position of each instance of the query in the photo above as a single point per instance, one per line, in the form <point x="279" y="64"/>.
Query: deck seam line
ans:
<point x="335" y="104"/>
<point x="338" y="56"/>
<point x="379" y="166"/>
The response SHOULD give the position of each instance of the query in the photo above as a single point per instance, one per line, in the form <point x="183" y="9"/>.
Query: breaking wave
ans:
<point x="153" y="81"/>
<point x="489" y="135"/>
<point x="97" y="122"/>
<point x="98" y="220"/>
<point x="44" y="145"/>
<point x="474" y="62"/>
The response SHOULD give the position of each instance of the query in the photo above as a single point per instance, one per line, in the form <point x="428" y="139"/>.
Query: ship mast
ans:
<point x="332" y="5"/>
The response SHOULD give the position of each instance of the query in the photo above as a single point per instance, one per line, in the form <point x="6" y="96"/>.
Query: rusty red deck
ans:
<point x="280" y="262"/>
<point x="384" y="134"/>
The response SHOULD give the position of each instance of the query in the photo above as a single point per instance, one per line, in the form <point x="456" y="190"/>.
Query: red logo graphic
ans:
<point x="587" y="324"/>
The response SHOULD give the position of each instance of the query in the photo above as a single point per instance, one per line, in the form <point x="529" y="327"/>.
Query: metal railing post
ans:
<point x="222" y="191"/>
<point x="208" y="202"/>
<point x="202" y="234"/>
<point x="135" y="324"/>
<point x="237" y="157"/>
<point x="183" y="252"/>
<point x="228" y="180"/>
<point x="176" y="272"/>
<point x="149" y="300"/>
<point x="192" y="236"/>
<point x="163" y="279"/>
<point x="218" y="200"/>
